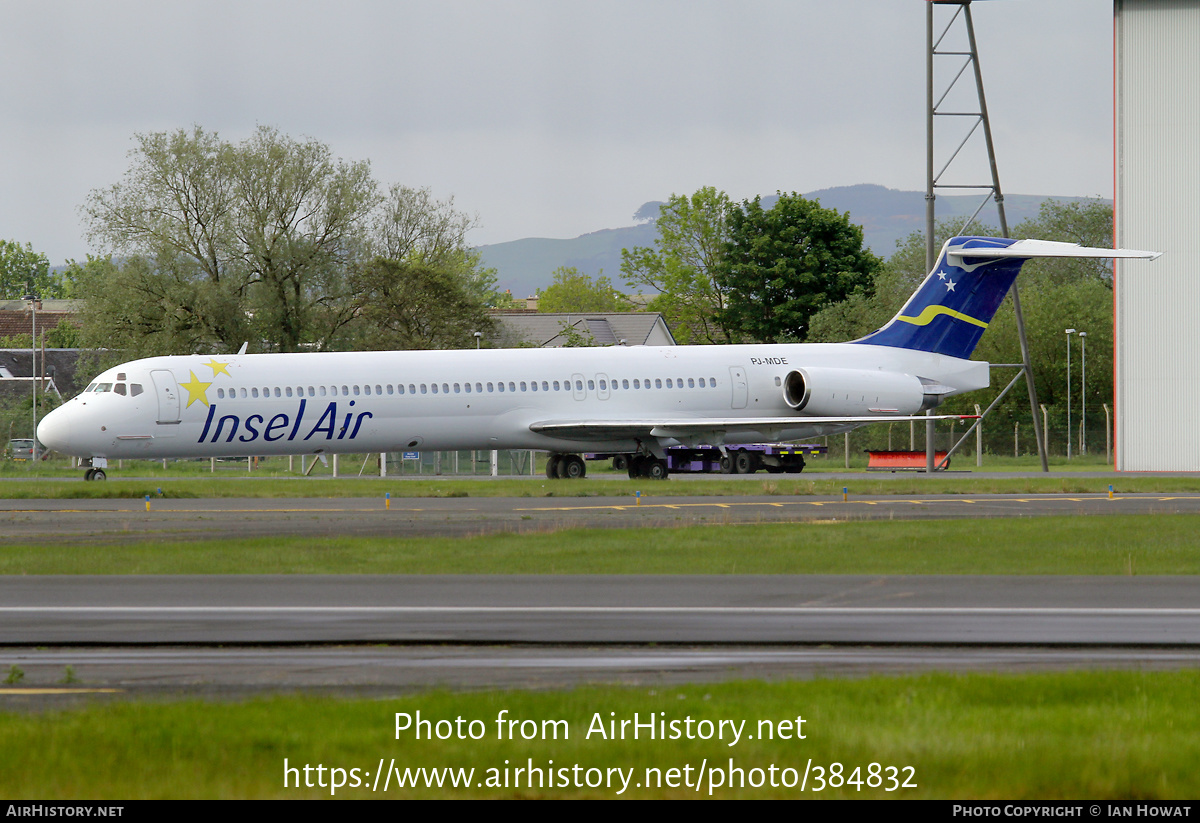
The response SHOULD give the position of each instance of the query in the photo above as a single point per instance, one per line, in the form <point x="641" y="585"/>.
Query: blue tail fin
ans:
<point x="952" y="308"/>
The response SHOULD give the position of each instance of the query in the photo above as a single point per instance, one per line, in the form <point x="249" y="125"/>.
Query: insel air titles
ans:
<point x="282" y="426"/>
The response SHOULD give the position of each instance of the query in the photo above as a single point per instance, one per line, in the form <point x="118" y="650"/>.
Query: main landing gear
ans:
<point x="565" y="466"/>
<point x="647" y="465"/>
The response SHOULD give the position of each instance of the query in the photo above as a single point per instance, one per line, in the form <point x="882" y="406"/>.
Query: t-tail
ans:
<point x="956" y="302"/>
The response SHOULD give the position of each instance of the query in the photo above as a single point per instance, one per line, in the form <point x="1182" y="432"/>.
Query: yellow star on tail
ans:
<point x="196" y="390"/>
<point x="218" y="367"/>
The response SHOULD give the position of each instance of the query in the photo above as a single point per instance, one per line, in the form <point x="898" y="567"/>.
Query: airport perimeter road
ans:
<point x="552" y="609"/>
<point x="216" y="518"/>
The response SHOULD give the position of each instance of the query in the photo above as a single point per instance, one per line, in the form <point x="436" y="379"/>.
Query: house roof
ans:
<point x="16" y="369"/>
<point x="549" y="330"/>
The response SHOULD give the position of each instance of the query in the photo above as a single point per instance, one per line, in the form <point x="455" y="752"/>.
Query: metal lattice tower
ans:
<point x="977" y="115"/>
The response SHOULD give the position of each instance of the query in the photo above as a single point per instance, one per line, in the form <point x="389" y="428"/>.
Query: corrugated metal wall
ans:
<point x="1158" y="207"/>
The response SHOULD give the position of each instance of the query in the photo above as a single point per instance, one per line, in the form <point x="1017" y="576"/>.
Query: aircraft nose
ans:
<point x="54" y="431"/>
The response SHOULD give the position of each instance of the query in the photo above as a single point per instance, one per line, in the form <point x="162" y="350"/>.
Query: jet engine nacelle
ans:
<point x="824" y="392"/>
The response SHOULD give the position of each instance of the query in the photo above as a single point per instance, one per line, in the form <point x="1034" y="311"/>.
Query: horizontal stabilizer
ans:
<point x="1028" y="249"/>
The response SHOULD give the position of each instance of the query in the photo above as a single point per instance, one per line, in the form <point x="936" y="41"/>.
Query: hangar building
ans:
<point x="1157" y="166"/>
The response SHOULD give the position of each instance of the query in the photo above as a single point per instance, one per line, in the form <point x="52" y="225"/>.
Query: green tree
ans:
<point x="21" y="268"/>
<point x="785" y="263"/>
<point x="1086" y="222"/>
<point x="415" y="305"/>
<point x="682" y="267"/>
<point x="574" y="291"/>
<point x="265" y="241"/>
<point x="257" y="234"/>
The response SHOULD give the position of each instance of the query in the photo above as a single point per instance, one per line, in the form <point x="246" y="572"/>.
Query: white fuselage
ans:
<point x="314" y="403"/>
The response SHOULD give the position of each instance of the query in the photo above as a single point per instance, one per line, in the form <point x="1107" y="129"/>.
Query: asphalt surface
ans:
<point x="138" y="636"/>
<point x="84" y="521"/>
<point x="599" y="609"/>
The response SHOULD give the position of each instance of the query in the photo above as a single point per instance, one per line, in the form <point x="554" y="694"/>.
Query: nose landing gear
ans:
<point x="95" y="474"/>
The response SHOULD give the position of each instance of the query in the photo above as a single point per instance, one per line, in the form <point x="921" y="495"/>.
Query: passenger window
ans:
<point x="399" y="388"/>
<point x="254" y="392"/>
<point x="423" y="387"/>
<point x="288" y="391"/>
<point x="625" y="384"/>
<point x="489" y="388"/>
<point x="691" y="382"/>
<point x="636" y="384"/>
<point x="556" y="385"/>
<point x="467" y="386"/>
<point x="657" y="383"/>
<point x="135" y="389"/>
<point x="669" y="386"/>
<point x="578" y="385"/>
<point x="356" y="392"/>
<point x="390" y="388"/>
<point x="479" y="388"/>
<point x="412" y="389"/>
<point x="243" y="394"/>
<point x="545" y="386"/>
<point x="379" y="388"/>
<point x="524" y="387"/>
<point x="445" y="388"/>
<point x="512" y="386"/>
<point x="778" y="382"/>
<point x="322" y="388"/>
<point x="220" y="394"/>
<point x="501" y="385"/>
<point x="591" y="385"/>
<point x="435" y="391"/>
<point x="457" y="389"/>
<point x="366" y="389"/>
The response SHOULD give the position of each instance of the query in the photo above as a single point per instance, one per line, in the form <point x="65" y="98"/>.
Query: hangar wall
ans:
<point x="1157" y="322"/>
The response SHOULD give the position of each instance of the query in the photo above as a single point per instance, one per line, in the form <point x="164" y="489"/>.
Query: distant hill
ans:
<point x="886" y="215"/>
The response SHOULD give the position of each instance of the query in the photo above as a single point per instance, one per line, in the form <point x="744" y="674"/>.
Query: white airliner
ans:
<point x="633" y="400"/>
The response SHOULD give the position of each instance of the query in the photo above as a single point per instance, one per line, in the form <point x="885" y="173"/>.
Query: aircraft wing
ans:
<point x="690" y="427"/>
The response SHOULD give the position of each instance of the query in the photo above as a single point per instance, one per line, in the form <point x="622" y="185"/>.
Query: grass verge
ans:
<point x="1109" y="545"/>
<point x="1045" y="736"/>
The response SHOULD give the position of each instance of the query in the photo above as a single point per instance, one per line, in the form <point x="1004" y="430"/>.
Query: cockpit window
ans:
<point x="120" y="389"/>
<point x="102" y="387"/>
<point x="135" y="389"/>
<point x="89" y="388"/>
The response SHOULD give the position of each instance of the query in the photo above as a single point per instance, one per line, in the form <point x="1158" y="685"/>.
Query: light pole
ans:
<point x="1083" y="392"/>
<point x="1069" y="333"/>
<point x="33" y="305"/>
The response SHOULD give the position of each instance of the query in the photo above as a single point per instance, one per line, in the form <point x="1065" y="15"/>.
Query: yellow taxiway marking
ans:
<point x="4" y="691"/>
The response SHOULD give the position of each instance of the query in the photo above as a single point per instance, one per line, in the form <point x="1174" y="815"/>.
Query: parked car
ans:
<point x="22" y="449"/>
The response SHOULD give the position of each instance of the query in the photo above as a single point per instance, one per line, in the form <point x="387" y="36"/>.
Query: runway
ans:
<point x="348" y="634"/>
<point x="98" y="521"/>
<point x="600" y="609"/>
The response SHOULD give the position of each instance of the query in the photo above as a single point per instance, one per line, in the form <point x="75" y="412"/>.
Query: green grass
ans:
<point x="1109" y="545"/>
<point x="1113" y="735"/>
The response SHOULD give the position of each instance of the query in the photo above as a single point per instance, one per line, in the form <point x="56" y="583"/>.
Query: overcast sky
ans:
<point x="547" y="118"/>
